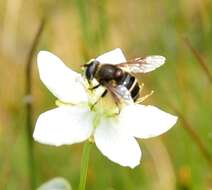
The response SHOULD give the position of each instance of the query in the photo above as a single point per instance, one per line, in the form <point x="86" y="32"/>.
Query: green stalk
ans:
<point x="84" y="164"/>
<point x="28" y="105"/>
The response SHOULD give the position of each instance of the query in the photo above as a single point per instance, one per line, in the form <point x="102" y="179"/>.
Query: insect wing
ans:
<point x="121" y="93"/>
<point x="143" y="65"/>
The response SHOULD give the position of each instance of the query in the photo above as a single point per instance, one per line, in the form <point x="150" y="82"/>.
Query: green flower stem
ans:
<point x="84" y="164"/>
<point x="28" y="105"/>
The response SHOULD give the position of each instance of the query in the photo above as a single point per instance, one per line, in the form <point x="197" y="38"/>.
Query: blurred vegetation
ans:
<point x="78" y="30"/>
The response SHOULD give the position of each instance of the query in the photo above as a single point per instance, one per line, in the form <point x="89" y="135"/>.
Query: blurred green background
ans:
<point x="77" y="30"/>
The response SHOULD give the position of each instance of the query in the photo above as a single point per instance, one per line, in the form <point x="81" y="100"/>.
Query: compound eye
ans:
<point x="88" y="73"/>
<point x="91" y="69"/>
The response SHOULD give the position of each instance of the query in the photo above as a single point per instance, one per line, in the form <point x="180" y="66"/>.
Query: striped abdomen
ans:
<point x="131" y="84"/>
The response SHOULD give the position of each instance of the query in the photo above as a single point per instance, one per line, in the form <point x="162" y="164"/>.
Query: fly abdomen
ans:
<point x="135" y="91"/>
<point x="131" y="84"/>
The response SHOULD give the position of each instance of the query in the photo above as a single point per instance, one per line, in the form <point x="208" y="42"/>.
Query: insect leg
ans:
<point x="140" y="100"/>
<point x="95" y="87"/>
<point x="141" y="86"/>
<point x="104" y="93"/>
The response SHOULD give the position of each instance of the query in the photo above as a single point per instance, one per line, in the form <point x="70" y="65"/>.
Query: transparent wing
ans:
<point x="143" y="65"/>
<point x="123" y="92"/>
<point x="120" y="93"/>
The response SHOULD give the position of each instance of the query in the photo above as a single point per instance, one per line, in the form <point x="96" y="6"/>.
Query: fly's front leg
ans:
<point x="104" y="93"/>
<point x="95" y="87"/>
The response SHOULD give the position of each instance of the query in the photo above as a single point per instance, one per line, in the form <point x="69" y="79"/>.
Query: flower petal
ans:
<point x="115" y="144"/>
<point x="64" y="83"/>
<point x="113" y="57"/>
<point x="63" y="125"/>
<point x="146" y="121"/>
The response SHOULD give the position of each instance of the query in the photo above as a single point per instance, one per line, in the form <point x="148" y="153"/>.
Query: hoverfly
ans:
<point x="118" y="79"/>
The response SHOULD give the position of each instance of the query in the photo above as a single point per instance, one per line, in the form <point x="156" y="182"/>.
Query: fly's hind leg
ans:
<point x="141" y="99"/>
<point x="141" y="86"/>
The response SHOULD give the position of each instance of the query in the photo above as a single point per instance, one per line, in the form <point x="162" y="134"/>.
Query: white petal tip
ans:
<point x="46" y="57"/>
<point x="117" y="50"/>
<point x="171" y="121"/>
<point x="43" y="53"/>
<point x="114" y="56"/>
<point x="174" y="120"/>
<point x="149" y="121"/>
<point x="134" y="165"/>
<point x="43" y="56"/>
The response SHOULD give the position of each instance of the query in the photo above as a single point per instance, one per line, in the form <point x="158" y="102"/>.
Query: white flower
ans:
<point x="75" y="122"/>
